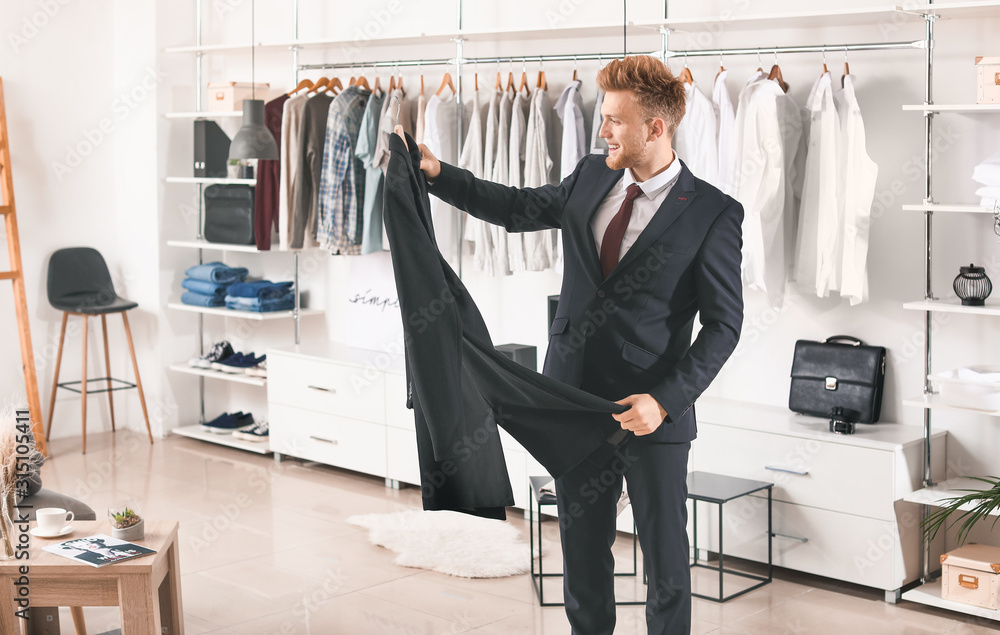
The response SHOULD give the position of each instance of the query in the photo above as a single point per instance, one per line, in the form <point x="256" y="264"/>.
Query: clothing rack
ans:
<point x="824" y="48"/>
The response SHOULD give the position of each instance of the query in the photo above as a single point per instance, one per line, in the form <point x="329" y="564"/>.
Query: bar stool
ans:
<point x="79" y="283"/>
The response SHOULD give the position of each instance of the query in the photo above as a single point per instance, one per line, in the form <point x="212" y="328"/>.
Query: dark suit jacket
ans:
<point x="631" y="333"/>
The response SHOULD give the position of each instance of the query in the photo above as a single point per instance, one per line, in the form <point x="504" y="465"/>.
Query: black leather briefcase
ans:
<point x="229" y="214"/>
<point x="840" y="372"/>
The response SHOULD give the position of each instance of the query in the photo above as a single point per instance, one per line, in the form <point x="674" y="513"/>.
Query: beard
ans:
<point x="631" y="152"/>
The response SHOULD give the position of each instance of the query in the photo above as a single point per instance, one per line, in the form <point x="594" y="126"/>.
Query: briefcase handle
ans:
<point x="844" y="338"/>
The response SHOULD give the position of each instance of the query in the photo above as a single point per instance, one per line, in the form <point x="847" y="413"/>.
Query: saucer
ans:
<point x="37" y="531"/>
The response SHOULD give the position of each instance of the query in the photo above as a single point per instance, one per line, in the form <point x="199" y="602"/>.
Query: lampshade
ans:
<point x="254" y="140"/>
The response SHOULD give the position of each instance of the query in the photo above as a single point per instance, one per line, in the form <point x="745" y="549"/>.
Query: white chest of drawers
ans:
<point x="837" y="498"/>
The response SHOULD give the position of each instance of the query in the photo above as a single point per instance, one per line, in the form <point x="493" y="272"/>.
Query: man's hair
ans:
<point x="654" y="88"/>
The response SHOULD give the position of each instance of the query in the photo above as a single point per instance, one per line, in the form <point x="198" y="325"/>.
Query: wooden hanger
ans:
<point x="334" y="86"/>
<point x="574" y="75"/>
<point x="446" y="83"/>
<point x="392" y="83"/>
<point x="399" y="85"/>
<point x="375" y="85"/>
<point x="775" y="74"/>
<point x="315" y="88"/>
<point x="686" y="76"/>
<point x="524" y="82"/>
<point x="499" y="83"/>
<point x="361" y="81"/>
<point x="305" y="83"/>
<point x="475" y="81"/>
<point x="542" y="83"/>
<point x="421" y="83"/>
<point x="510" y="81"/>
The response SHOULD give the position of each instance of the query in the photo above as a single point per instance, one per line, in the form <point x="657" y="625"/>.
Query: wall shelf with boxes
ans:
<point x="933" y="493"/>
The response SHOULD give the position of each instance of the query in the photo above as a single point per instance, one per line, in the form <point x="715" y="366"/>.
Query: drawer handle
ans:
<point x="968" y="581"/>
<point x="795" y="538"/>
<point x="330" y="441"/>
<point x="788" y="470"/>
<point x="322" y="389"/>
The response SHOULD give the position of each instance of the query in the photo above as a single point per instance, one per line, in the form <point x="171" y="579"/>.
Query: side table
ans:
<point x="720" y="489"/>
<point x="147" y="589"/>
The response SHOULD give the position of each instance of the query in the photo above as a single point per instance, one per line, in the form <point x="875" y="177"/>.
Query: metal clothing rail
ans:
<point x="824" y="48"/>
<point x="475" y="60"/>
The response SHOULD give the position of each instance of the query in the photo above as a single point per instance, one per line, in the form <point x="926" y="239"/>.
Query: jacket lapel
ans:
<point x="582" y="234"/>
<point x="680" y="196"/>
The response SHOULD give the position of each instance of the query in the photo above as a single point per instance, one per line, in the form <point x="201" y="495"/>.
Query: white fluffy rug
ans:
<point x="449" y="542"/>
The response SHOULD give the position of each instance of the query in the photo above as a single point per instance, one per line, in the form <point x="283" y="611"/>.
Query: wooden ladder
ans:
<point x="16" y="275"/>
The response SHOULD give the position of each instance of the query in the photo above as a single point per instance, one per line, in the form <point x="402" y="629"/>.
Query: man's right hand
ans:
<point x="429" y="163"/>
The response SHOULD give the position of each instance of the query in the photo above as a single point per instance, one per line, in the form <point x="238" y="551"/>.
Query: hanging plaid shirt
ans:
<point x="342" y="179"/>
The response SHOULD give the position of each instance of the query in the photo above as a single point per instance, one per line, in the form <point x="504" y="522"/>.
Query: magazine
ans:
<point x="99" y="550"/>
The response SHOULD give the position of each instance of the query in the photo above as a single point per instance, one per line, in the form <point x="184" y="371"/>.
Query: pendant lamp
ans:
<point x="254" y="140"/>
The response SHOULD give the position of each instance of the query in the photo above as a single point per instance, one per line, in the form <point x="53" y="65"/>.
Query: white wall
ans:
<point x="63" y="80"/>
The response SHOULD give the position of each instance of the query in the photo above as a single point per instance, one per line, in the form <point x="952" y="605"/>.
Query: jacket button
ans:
<point x="600" y="294"/>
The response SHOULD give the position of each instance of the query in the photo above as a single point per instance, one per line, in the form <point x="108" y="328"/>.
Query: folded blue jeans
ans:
<point x="200" y="299"/>
<point x="260" y="289"/>
<point x="260" y="306"/>
<point x="217" y="272"/>
<point x="205" y="288"/>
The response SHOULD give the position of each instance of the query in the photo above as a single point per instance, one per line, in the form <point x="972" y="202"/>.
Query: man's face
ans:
<point x="625" y="130"/>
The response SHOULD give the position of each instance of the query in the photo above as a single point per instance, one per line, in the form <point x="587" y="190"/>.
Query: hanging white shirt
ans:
<point x="819" y="246"/>
<point x="539" y="246"/>
<point x="695" y="140"/>
<point x="515" y="170"/>
<point x="439" y="135"/>
<point x="654" y="192"/>
<point x="291" y="124"/>
<point x="858" y="194"/>
<point x="569" y="107"/>
<point x="501" y="165"/>
<point x="768" y="130"/>
<point x="597" y="144"/>
<point x="725" y="119"/>
<point x="476" y="231"/>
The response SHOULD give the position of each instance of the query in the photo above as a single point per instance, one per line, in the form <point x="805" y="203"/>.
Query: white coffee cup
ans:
<point x="51" y="520"/>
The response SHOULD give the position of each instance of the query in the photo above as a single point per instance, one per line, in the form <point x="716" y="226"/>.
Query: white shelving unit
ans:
<point x="245" y="315"/>
<point x="934" y="494"/>
<point x="197" y="432"/>
<point x="204" y="244"/>
<point x="939" y="493"/>
<point x="241" y="378"/>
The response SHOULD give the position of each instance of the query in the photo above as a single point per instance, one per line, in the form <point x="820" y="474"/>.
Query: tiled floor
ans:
<point x="265" y="549"/>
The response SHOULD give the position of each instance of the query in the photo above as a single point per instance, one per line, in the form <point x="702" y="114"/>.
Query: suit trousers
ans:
<point x="587" y="497"/>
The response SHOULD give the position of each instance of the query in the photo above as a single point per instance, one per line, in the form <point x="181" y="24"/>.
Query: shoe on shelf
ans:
<point x="219" y="351"/>
<point x="227" y="422"/>
<point x="623" y="500"/>
<point x="260" y="370"/>
<point x="256" y="433"/>
<point x="237" y="363"/>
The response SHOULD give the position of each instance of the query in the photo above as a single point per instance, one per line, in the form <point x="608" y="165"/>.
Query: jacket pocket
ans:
<point x="640" y="357"/>
<point x="559" y="326"/>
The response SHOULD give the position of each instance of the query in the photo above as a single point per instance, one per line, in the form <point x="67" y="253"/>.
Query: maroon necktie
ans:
<point x="611" y="246"/>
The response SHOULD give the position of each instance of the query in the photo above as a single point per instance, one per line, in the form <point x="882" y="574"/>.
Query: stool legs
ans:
<point x="55" y="380"/>
<point x="138" y="382"/>
<point x="107" y="365"/>
<point x="78" y="623"/>
<point x="83" y="387"/>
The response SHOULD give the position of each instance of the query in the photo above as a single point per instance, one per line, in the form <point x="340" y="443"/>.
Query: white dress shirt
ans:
<point x="725" y="119"/>
<point x="515" y="169"/>
<point x="539" y="246"/>
<point x="501" y="165"/>
<point x="696" y="138"/>
<point x="291" y="124"/>
<point x="654" y="192"/>
<point x="819" y="247"/>
<point x="476" y="231"/>
<point x="439" y="135"/>
<point x="598" y="145"/>
<point x="859" y="192"/>
<point x="574" y="138"/>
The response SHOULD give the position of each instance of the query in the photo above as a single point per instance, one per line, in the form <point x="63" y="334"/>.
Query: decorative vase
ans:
<point x="8" y="535"/>
<point x="126" y="520"/>
<point x="972" y="285"/>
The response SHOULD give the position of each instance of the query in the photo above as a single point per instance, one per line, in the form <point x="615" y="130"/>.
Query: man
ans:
<point x="647" y="247"/>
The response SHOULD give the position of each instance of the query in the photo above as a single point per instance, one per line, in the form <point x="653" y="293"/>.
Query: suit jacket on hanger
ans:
<point x="630" y="333"/>
<point x="460" y="386"/>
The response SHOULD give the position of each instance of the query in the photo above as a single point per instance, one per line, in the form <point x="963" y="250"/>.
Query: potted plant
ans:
<point x="126" y="521"/>
<point x="973" y="506"/>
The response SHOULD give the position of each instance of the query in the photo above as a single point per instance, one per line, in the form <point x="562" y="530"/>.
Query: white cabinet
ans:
<point x="837" y="508"/>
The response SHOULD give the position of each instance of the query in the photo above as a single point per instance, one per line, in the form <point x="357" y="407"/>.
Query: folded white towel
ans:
<point x="988" y="172"/>
<point x="989" y="202"/>
<point x="981" y="376"/>
<point x="988" y="192"/>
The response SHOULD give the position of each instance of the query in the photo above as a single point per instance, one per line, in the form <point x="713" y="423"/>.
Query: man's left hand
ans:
<point x="644" y="416"/>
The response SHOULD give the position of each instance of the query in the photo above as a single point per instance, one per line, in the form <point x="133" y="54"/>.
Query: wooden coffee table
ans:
<point x="148" y="589"/>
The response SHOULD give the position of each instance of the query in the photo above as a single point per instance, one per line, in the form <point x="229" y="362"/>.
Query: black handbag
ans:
<point x="229" y="214"/>
<point x="832" y="374"/>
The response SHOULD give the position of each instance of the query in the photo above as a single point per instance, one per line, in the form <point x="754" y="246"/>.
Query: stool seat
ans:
<point x="717" y="488"/>
<point x="92" y="304"/>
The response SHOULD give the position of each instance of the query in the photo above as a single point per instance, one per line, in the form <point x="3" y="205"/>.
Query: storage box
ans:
<point x="229" y="96"/>
<point x="964" y="390"/>
<point x="969" y="575"/>
<point x="988" y="79"/>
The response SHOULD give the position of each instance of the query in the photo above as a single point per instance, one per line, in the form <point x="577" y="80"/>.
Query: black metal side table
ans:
<point x="720" y="489"/>
<point x="536" y="499"/>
